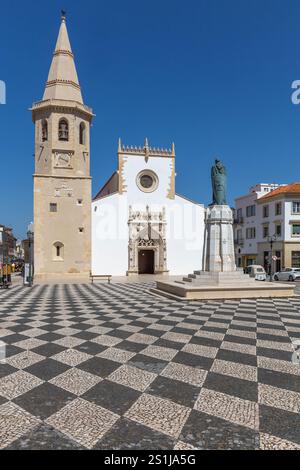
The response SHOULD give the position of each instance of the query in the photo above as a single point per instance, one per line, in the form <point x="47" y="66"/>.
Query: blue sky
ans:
<point x="212" y="75"/>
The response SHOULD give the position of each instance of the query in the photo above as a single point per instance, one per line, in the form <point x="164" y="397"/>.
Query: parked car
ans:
<point x="287" y="274"/>
<point x="256" y="271"/>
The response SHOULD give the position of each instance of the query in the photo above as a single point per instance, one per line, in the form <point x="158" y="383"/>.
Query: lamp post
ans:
<point x="271" y="240"/>
<point x="30" y="246"/>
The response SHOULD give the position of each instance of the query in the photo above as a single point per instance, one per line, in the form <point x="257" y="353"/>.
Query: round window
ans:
<point x="147" y="181"/>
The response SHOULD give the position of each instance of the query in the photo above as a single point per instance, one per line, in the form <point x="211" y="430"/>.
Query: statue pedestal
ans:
<point x="220" y="279"/>
<point x="219" y="245"/>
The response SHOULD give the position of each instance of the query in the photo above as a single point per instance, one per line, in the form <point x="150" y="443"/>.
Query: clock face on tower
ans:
<point x="63" y="160"/>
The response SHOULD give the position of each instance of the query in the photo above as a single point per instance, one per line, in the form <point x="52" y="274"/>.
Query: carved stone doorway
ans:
<point x="147" y="243"/>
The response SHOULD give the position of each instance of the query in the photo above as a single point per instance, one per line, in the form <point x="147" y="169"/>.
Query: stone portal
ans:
<point x="147" y="250"/>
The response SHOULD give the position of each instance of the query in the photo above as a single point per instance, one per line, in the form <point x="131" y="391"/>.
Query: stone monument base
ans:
<point x="219" y="246"/>
<point x="207" y="285"/>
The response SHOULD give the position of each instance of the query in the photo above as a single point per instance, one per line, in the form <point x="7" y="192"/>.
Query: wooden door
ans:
<point x="146" y="262"/>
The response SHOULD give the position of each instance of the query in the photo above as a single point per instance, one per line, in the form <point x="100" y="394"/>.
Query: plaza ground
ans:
<point x="114" y="367"/>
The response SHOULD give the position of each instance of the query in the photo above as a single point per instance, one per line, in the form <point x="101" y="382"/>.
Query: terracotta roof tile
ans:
<point x="293" y="188"/>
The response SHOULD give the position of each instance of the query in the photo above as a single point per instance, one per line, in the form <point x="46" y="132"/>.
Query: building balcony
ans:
<point x="239" y="241"/>
<point x="239" y="220"/>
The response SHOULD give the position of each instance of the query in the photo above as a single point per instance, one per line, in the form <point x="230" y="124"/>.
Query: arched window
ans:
<point x="82" y="133"/>
<point x="44" y="130"/>
<point x="58" y="251"/>
<point x="63" y="130"/>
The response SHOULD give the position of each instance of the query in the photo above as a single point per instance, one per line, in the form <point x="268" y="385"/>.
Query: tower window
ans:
<point x="53" y="207"/>
<point x="63" y="130"/>
<point x="44" y="130"/>
<point x="58" y="251"/>
<point x="79" y="202"/>
<point x="81" y="229"/>
<point x="82" y="133"/>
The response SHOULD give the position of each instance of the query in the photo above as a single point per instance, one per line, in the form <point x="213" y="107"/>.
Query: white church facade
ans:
<point x="139" y="224"/>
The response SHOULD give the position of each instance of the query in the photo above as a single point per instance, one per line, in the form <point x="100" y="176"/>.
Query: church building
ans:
<point x="139" y="224"/>
<point x="136" y="224"/>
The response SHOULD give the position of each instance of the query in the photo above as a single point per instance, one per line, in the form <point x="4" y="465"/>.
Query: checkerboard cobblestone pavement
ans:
<point x="113" y="367"/>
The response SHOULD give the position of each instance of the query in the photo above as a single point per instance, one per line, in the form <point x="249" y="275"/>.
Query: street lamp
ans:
<point x="30" y="246"/>
<point x="271" y="240"/>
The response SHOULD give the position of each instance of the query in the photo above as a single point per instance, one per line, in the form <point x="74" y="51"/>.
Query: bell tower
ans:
<point x="62" y="182"/>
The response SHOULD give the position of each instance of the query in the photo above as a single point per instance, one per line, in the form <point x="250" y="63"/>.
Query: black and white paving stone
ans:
<point x="113" y="367"/>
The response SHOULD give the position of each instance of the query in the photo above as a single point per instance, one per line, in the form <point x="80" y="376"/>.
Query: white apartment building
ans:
<point x="247" y="225"/>
<point x="278" y="215"/>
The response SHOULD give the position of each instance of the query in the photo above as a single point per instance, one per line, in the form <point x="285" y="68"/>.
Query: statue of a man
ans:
<point x="219" y="183"/>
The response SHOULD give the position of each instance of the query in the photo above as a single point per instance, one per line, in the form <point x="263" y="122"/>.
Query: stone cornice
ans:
<point x="59" y="81"/>
<point x="146" y="150"/>
<point x="65" y="177"/>
<point x="61" y="106"/>
<point x="63" y="52"/>
<point x="152" y="153"/>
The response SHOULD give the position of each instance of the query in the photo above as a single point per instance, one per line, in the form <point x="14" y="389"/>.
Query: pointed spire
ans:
<point x="173" y="149"/>
<point x="146" y="147"/>
<point x="62" y="83"/>
<point x="120" y="146"/>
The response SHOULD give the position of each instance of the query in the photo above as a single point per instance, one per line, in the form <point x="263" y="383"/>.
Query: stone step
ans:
<point x="227" y="279"/>
<point x="194" y="277"/>
<point x="167" y="295"/>
<point x="237" y="291"/>
<point x="200" y="276"/>
<point x="235" y="274"/>
<point x="227" y="282"/>
<point x="219" y="284"/>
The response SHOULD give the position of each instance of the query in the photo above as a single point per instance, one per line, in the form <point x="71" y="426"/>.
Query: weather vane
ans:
<point x="63" y="13"/>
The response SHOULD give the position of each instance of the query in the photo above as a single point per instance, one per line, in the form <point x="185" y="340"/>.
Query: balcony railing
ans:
<point x="239" y="220"/>
<point x="239" y="241"/>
